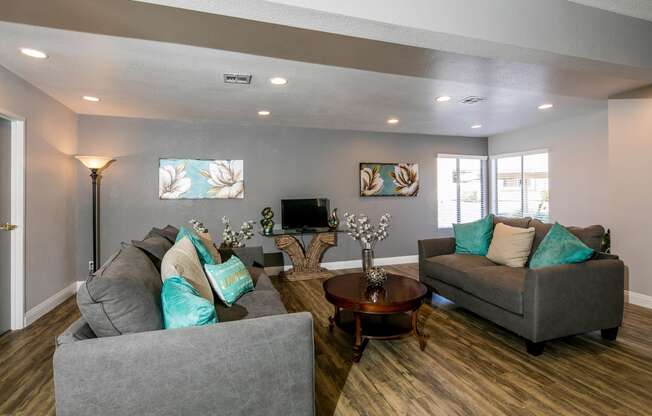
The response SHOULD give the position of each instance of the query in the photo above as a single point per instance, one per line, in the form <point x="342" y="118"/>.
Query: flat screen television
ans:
<point x="304" y="213"/>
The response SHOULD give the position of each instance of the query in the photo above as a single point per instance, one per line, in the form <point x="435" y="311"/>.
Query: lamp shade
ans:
<point x="94" y="162"/>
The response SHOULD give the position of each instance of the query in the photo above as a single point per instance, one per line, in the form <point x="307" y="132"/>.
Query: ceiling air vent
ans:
<point x="472" y="99"/>
<point x="237" y="79"/>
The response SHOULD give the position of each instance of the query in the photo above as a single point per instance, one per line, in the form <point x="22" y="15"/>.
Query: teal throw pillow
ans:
<point x="474" y="237"/>
<point x="183" y="307"/>
<point x="230" y="280"/>
<point x="205" y="256"/>
<point x="559" y="246"/>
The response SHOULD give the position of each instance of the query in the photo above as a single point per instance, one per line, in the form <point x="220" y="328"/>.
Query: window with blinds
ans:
<point x="520" y="185"/>
<point x="461" y="189"/>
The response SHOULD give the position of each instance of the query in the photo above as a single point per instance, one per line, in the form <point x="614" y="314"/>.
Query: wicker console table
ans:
<point x="305" y="260"/>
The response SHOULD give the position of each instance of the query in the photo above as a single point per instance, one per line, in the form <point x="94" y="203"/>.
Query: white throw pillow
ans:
<point x="182" y="260"/>
<point x="511" y="245"/>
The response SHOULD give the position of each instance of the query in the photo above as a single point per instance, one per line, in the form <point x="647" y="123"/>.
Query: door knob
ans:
<point x="8" y="227"/>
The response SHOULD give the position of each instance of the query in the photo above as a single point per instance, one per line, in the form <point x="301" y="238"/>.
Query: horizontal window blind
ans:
<point x="461" y="189"/>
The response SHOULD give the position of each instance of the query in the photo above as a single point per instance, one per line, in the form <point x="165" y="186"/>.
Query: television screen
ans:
<point x="304" y="213"/>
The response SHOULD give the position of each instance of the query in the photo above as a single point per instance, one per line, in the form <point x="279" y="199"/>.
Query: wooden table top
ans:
<point x="351" y="292"/>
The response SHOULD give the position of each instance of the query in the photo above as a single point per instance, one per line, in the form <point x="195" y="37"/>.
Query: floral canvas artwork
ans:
<point x="389" y="179"/>
<point x="201" y="179"/>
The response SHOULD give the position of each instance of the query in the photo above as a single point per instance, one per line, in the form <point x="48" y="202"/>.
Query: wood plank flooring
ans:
<point x="26" y="386"/>
<point x="470" y="366"/>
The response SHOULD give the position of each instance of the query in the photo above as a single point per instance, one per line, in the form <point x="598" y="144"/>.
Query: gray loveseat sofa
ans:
<point x="539" y="305"/>
<point x="258" y="360"/>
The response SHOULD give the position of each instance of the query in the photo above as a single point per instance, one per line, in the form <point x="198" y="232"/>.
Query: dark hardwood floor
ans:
<point x="470" y="366"/>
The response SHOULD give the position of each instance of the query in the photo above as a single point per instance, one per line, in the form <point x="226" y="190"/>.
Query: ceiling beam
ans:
<point x="140" y="20"/>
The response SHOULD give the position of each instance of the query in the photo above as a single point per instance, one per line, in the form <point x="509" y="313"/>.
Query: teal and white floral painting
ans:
<point x="389" y="179"/>
<point x="201" y="179"/>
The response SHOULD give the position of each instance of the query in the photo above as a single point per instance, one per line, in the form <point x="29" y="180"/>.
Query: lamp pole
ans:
<point x="96" y="164"/>
<point x="95" y="179"/>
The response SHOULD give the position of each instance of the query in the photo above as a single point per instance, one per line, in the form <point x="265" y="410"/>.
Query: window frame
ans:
<point x="493" y="178"/>
<point x="484" y="189"/>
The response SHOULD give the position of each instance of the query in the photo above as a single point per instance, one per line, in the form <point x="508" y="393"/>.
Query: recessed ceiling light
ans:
<point x="443" y="99"/>
<point x="278" y="81"/>
<point x="545" y="106"/>
<point x="33" y="53"/>
<point x="264" y="113"/>
<point x="91" y="98"/>
<point x="476" y="126"/>
<point x="392" y="121"/>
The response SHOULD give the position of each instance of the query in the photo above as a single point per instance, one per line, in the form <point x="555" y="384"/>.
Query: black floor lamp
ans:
<point x="96" y="164"/>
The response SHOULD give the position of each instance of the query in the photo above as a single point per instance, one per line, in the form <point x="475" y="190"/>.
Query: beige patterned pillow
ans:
<point x="511" y="245"/>
<point x="182" y="260"/>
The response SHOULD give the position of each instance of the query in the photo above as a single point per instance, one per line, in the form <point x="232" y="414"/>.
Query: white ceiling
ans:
<point x="137" y="78"/>
<point x="641" y="9"/>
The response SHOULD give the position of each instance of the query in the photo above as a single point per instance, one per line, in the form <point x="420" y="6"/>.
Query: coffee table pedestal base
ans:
<point x="364" y="326"/>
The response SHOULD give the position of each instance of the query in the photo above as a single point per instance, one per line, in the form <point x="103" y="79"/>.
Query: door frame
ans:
<point x="17" y="218"/>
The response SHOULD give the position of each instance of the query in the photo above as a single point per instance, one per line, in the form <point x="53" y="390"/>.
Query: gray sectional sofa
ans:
<point x="539" y="305"/>
<point x="258" y="360"/>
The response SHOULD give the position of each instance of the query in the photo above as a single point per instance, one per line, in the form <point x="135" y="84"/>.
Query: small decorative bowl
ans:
<point x="376" y="276"/>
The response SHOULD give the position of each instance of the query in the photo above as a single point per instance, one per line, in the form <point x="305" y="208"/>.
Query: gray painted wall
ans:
<point x="278" y="162"/>
<point x="630" y="176"/>
<point x="50" y="187"/>
<point x="579" y="191"/>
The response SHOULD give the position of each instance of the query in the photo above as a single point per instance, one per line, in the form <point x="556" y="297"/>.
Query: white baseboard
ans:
<point x="350" y="264"/>
<point x="638" y="299"/>
<point x="50" y="303"/>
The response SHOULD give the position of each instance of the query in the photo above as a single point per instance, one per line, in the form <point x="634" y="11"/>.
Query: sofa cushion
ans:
<point x="510" y="246"/>
<point x="254" y="304"/>
<point x="77" y="331"/>
<point x="183" y="307"/>
<point x="169" y="232"/>
<point x="230" y="280"/>
<point x="474" y="237"/>
<point x="451" y="268"/>
<point x="260" y="278"/>
<point x="501" y="286"/>
<point x="560" y="246"/>
<point x="250" y="256"/>
<point x="513" y="222"/>
<point x="155" y="247"/>
<point x="591" y="235"/>
<point x="182" y="260"/>
<point x="208" y="242"/>
<point x="205" y="255"/>
<point x="123" y="296"/>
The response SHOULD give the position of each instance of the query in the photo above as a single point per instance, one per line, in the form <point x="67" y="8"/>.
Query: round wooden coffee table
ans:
<point x="388" y="312"/>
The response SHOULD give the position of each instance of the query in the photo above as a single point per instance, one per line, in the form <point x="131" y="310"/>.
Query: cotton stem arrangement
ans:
<point x="198" y="226"/>
<point x="236" y="239"/>
<point x="361" y="230"/>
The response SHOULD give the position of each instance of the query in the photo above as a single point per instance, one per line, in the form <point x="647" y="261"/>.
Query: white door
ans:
<point x="5" y="217"/>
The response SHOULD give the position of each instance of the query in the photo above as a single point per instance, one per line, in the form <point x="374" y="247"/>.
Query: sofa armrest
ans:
<point x="257" y="366"/>
<point x="436" y="247"/>
<point x="574" y="298"/>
